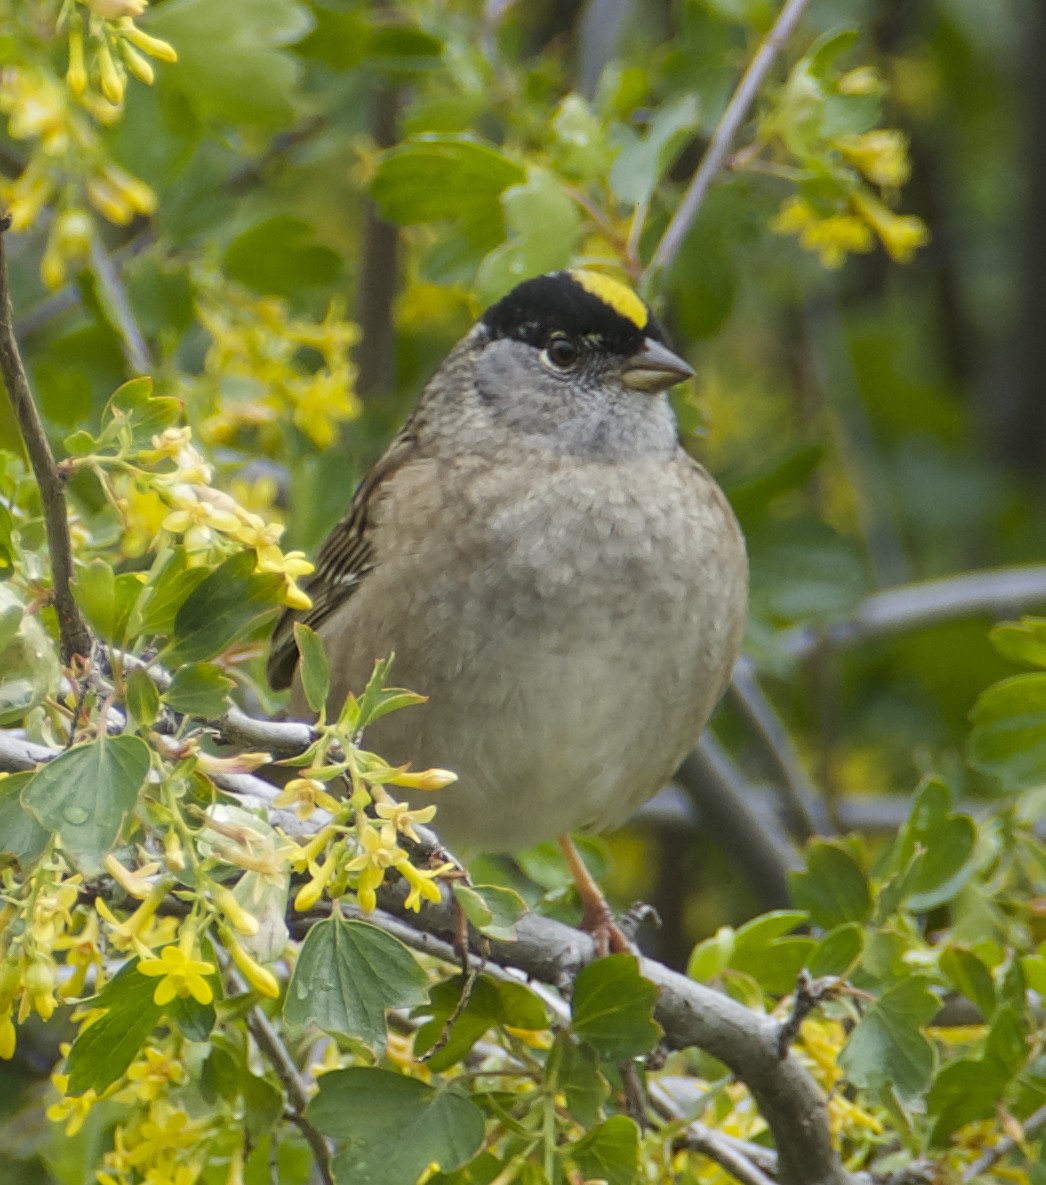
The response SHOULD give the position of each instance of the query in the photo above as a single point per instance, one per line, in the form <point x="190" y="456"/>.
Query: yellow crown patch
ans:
<point x="618" y="296"/>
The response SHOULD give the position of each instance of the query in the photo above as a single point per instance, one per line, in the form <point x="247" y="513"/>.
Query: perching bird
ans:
<point x="565" y="584"/>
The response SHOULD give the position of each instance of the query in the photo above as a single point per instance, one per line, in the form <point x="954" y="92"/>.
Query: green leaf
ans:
<point x="643" y="159"/>
<point x="195" y="1020"/>
<point x="199" y="689"/>
<point x="231" y="64"/>
<point x="378" y="700"/>
<point x="280" y="257"/>
<point x="29" y="667"/>
<point x="838" y="951"/>
<point x="143" y="700"/>
<point x="710" y="958"/>
<point x="104" y="1050"/>
<point x="578" y="147"/>
<point x="969" y="976"/>
<point x="970" y="1088"/>
<point x="315" y="673"/>
<point x="21" y="837"/>
<point x="575" y="1068"/>
<point x="832" y="888"/>
<point x="887" y="1046"/>
<point x="489" y="1003"/>
<point x="106" y="599"/>
<point x="934" y="847"/>
<point x="543" y="224"/>
<point x="85" y="793"/>
<point x="10" y="617"/>
<point x="167" y="588"/>
<point x="610" y="1152"/>
<point x="1009" y="731"/>
<point x="762" y="951"/>
<point x="396" y="1126"/>
<point x="1023" y="641"/>
<point x="347" y="975"/>
<point x="612" y="1008"/>
<point x="433" y="178"/>
<point x="492" y="909"/>
<point x="142" y="413"/>
<point x="222" y="608"/>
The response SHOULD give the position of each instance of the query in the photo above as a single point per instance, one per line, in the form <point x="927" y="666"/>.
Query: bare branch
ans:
<point x="998" y="592"/>
<point x="799" y="794"/>
<point x="76" y="638"/>
<point x="116" y="304"/>
<point x="723" y="137"/>
<point x="295" y="1086"/>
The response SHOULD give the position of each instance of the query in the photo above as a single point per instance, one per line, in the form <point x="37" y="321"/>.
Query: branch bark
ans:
<point x="723" y="138"/>
<point x="76" y="638"/>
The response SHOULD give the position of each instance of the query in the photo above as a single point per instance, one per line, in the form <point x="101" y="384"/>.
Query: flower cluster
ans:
<point x="36" y="920"/>
<point x="257" y="373"/>
<point x="164" y="492"/>
<point x="70" y="169"/>
<point x="848" y="180"/>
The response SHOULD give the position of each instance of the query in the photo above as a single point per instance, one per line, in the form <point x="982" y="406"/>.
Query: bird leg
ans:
<point x="597" y="918"/>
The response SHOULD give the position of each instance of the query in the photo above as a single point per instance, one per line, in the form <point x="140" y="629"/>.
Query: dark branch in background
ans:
<point x="76" y="638"/>
<point x="376" y="290"/>
<point x="723" y="138"/>
<point x="756" y="845"/>
<point x="802" y="803"/>
<point x="998" y="592"/>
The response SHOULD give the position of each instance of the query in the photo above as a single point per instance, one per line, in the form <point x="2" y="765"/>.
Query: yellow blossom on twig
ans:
<point x="182" y="976"/>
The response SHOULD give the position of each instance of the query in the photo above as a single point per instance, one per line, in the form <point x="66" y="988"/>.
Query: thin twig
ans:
<point x="991" y="1156"/>
<point x="800" y="795"/>
<point x="76" y="638"/>
<point x="117" y="305"/>
<point x="294" y="1084"/>
<point x="723" y="137"/>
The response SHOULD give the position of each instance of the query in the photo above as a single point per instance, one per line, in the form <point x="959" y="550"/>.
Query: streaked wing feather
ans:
<point x="342" y="563"/>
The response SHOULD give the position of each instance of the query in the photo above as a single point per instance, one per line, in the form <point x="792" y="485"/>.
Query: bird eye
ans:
<point x="562" y="352"/>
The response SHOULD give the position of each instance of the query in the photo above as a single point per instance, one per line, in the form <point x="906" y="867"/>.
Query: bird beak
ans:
<point x="654" y="368"/>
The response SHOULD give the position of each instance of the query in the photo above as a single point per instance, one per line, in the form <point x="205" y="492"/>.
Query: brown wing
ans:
<point x="343" y="561"/>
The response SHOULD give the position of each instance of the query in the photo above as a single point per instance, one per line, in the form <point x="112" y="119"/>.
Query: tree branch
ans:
<point x="723" y="137"/>
<point x="76" y="638"/>
<point x="998" y="592"/>
<point x="991" y="1156"/>
<point x="294" y="1085"/>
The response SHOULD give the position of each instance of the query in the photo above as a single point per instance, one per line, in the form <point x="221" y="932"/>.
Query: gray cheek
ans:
<point x="516" y="388"/>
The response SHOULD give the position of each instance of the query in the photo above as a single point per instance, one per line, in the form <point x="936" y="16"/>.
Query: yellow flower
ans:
<point x="130" y="934"/>
<point x="153" y="46"/>
<point x="84" y="952"/>
<point x="112" y="9"/>
<point x="403" y="818"/>
<point x="182" y="976"/>
<point x="304" y="795"/>
<point x="38" y="978"/>
<point x="260" y="978"/>
<point x="832" y="237"/>
<point x="152" y="1075"/>
<point x="901" y="235"/>
<point x="423" y="883"/>
<point x="244" y="922"/>
<point x="881" y="155"/>
<point x="134" y="884"/>
<point x="864" y="80"/>
<point x="8" y="1036"/>
<point x="72" y="1109"/>
<point x="380" y="852"/>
